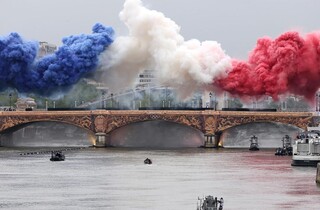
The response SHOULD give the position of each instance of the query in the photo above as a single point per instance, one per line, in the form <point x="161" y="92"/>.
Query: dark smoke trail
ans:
<point x="288" y="64"/>
<point x="75" y="58"/>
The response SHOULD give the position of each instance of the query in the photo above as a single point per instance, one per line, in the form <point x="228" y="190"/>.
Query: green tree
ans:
<point x="235" y="103"/>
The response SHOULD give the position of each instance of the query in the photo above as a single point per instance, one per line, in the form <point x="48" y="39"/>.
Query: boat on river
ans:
<point x="286" y="147"/>
<point x="306" y="149"/>
<point x="254" y="145"/>
<point x="147" y="161"/>
<point x="57" y="156"/>
<point x="210" y="203"/>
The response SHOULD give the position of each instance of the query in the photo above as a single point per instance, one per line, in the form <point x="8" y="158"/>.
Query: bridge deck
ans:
<point x="161" y="112"/>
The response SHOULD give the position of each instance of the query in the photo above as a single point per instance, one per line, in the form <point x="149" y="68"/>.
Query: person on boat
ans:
<point x="221" y="204"/>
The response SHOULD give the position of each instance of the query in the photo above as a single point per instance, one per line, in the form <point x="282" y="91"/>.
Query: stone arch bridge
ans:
<point x="103" y="122"/>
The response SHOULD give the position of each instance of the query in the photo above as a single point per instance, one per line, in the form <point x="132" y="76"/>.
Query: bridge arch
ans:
<point x="16" y="127"/>
<point x="234" y="119"/>
<point x="8" y="122"/>
<point x="46" y="134"/>
<point x="114" y="122"/>
<point x="156" y="134"/>
<point x="269" y="134"/>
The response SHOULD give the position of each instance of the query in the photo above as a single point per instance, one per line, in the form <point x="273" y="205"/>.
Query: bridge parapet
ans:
<point x="298" y="119"/>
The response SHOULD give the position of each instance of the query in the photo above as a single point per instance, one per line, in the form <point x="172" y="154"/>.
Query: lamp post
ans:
<point x="149" y="98"/>
<point x="166" y="101"/>
<point x="111" y="100"/>
<point x="134" y="100"/>
<point x="10" y="96"/>
<point x="317" y="102"/>
<point x="103" y="99"/>
<point x="210" y="102"/>
<point x="215" y="102"/>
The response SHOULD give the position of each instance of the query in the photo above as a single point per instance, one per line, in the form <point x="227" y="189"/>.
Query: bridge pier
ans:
<point x="6" y="139"/>
<point x="102" y="140"/>
<point x="318" y="174"/>
<point x="211" y="141"/>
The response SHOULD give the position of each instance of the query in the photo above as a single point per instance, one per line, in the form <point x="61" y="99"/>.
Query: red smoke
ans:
<point x="288" y="64"/>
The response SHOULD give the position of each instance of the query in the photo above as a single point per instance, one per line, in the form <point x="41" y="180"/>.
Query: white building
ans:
<point x="45" y="48"/>
<point x="23" y="103"/>
<point x="146" y="79"/>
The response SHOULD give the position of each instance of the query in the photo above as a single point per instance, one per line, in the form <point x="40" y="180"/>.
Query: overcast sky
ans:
<point x="236" y="24"/>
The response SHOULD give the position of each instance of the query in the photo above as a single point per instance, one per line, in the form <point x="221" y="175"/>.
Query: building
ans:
<point x="45" y="48"/>
<point x="146" y="79"/>
<point x="24" y="103"/>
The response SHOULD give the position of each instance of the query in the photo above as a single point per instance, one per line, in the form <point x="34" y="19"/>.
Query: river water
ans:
<point x="116" y="178"/>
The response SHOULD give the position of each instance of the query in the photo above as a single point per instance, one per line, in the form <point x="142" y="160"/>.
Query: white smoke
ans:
<point x="154" y="42"/>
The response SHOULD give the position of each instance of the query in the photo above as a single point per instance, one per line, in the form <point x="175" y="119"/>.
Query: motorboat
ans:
<point x="306" y="149"/>
<point x="57" y="156"/>
<point x="147" y="161"/>
<point x="210" y="203"/>
<point x="254" y="145"/>
<point x="286" y="147"/>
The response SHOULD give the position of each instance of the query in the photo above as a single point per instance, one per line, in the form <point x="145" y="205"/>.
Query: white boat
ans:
<point x="306" y="149"/>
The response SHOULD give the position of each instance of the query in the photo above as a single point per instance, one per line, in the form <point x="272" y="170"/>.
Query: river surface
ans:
<point x="115" y="178"/>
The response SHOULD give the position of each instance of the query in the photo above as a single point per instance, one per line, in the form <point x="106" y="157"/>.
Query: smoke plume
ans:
<point x="154" y="42"/>
<point x="77" y="57"/>
<point x="288" y="64"/>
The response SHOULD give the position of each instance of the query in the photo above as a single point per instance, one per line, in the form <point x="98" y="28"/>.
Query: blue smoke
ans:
<point x="16" y="58"/>
<point x="77" y="57"/>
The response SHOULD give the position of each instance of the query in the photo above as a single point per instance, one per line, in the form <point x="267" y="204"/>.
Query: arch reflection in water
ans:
<point x="156" y="134"/>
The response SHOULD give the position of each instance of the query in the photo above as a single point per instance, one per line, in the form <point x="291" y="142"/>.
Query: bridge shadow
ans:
<point x="156" y="134"/>
<point x="270" y="134"/>
<point x="46" y="134"/>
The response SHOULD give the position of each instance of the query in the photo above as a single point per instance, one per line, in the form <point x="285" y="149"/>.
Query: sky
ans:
<point x="235" y="24"/>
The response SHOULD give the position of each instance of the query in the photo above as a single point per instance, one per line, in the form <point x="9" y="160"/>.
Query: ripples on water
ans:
<point x="114" y="178"/>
